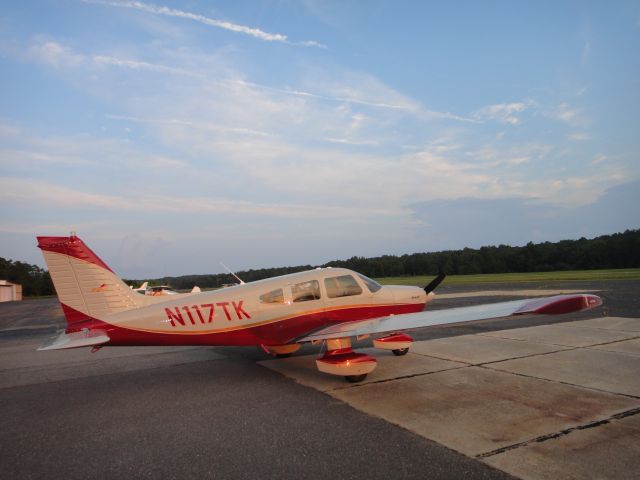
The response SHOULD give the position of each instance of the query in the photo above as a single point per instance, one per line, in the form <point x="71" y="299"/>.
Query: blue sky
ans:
<point x="175" y="135"/>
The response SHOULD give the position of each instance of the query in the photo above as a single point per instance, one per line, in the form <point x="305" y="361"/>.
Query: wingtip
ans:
<point x="560" y="304"/>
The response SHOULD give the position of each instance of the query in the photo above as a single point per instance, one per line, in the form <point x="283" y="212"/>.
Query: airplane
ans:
<point x="329" y="306"/>
<point x="142" y="289"/>
<point x="159" y="290"/>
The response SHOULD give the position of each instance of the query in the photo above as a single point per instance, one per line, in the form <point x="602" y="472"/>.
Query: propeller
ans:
<point x="435" y="282"/>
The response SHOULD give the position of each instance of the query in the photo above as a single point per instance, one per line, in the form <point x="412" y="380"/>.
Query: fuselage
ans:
<point x="274" y="311"/>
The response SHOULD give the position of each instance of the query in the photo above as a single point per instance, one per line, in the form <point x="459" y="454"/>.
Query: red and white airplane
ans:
<point x="331" y="305"/>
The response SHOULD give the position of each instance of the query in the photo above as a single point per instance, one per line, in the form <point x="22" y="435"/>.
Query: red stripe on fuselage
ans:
<point x="275" y="333"/>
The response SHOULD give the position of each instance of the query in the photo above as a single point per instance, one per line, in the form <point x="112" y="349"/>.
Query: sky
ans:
<point x="172" y="136"/>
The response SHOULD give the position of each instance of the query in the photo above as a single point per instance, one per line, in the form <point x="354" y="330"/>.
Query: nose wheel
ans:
<point x="398" y="343"/>
<point x="355" y="378"/>
<point x="398" y="352"/>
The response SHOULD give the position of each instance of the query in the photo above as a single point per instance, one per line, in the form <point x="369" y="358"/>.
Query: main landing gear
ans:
<point x="340" y="359"/>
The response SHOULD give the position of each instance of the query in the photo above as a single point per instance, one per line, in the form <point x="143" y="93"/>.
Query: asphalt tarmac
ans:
<point x="212" y="412"/>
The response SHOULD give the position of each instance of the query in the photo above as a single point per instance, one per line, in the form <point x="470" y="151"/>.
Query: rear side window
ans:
<point x="342" y="286"/>
<point x="305" y="291"/>
<point x="274" y="296"/>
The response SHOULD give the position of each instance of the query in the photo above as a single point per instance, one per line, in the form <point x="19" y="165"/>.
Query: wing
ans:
<point x="77" y="339"/>
<point x="428" y="318"/>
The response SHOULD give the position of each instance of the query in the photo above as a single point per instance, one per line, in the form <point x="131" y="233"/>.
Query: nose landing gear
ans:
<point x="398" y="343"/>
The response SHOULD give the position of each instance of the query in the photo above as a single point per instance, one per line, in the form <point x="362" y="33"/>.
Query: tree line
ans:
<point x="34" y="280"/>
<point x="620" y="250"/>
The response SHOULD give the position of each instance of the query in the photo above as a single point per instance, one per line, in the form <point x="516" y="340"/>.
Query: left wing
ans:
<point x="547" y="305"/>
<point x="88" y="338"/>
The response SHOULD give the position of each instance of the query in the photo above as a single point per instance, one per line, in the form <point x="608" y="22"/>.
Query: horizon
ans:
<point x="322" y="265"/>
<point x="173" y="136"/>
<point x="378" y="256"/>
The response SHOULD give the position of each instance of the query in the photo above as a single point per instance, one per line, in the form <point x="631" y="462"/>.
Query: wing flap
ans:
<point x="76" y="340"/>
<point x="430" y="318"/>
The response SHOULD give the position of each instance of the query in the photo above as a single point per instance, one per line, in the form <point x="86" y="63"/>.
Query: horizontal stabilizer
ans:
<point x="77" y="339"/>
<point x="430" y="318"/>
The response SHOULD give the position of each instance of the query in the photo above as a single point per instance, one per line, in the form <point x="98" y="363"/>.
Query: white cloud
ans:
<point x="348" y="93"/>
<point x="300" y="144"/>
<point x="501" y="112"/>
<point x="579" y="137"/>
<point x="518" y="160"/>
<point x="347" y="141"/>
<point x="8" y="130"/>
<point x="54" y="54"/>
<point x="33" y="158"/>
<point x="312" y="43"/>
<point x="599" y="158"/>
<point x="60" y="56"/>
<point x="358" y="88"/>
<point x="497" y="156"/>
<point x="34" y="153"/>
<point x="25" y="228"/>
<point x="137" y="65"/>
<point x="212" y="22"/>
<point x="189" y="124"/>
<point x="569" y="114"/>
<point x="32" y="193"/>
<point x="566" y="112"/>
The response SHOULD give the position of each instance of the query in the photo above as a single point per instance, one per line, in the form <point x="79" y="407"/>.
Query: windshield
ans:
<point x="372" y="285"/>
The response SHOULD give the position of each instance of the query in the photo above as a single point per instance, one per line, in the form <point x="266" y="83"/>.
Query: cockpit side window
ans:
<point x="372" y="285"/>
<point x="305" y="291"/>
<point x="342" y="286"/>
<point x="274" y="296"/>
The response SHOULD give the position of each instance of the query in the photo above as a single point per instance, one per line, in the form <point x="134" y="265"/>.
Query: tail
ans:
<point x="87" y="288"/>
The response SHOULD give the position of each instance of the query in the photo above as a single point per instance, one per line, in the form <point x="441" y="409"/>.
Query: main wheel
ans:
<point x="355" y="378"/>
<point x="398" y="352"/>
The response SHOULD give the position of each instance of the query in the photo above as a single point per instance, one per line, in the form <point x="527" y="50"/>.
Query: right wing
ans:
<point x="429" y="318"/>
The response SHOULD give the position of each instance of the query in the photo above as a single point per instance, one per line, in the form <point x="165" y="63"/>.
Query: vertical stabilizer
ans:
<point x="85" y="285"/>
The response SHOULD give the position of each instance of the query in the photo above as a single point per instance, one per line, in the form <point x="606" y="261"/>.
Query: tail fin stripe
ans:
<point x="84" y="283"/>
<point x="72" y="247"/>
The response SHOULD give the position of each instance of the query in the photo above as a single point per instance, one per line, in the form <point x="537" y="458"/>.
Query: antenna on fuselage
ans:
<point x="231" y="272"/>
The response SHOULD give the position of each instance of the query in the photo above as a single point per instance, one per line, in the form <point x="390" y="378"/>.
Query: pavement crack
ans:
<point x="525" y="356"/>
<point x="628" y="395"/>
<point x="561" y="433"/>
<point x="385" y="380"/>
<point x="609" y="343"/>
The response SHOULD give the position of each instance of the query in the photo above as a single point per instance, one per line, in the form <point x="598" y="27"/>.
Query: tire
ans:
<point x="355" y="378"/>
<point x="400" y="351"/>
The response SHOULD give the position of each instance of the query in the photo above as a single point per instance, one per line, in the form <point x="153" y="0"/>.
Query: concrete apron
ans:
<point x="554" y="401"/>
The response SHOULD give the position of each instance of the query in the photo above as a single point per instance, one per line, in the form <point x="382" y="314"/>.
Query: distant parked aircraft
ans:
<point x="141" y="289"/>
<point x="160" y="290"/>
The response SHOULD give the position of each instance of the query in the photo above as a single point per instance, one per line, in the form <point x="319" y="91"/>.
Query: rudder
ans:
<point x="85" y="285"/>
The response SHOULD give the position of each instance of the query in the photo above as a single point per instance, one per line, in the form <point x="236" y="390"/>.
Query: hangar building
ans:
<point x="10" y="292"/>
